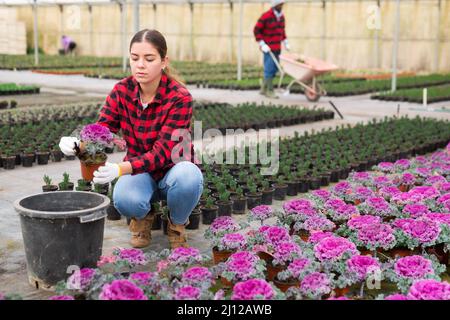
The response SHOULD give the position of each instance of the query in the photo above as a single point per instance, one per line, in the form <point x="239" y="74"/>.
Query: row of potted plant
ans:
<point x="22" y="62"/>
<point x="224" y="116"/>
<point x="35" y="133"/>
<point x="434" y="94"/>
<point x="8" y="104"/>
<point x="14" y="89"/>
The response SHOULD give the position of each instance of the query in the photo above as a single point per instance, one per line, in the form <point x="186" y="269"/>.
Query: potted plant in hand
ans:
<point x="65" y="185"/>
<point x="94" y="138"/>
<point x="48" y="185"/>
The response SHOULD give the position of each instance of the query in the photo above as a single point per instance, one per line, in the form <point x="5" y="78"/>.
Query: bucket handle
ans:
<point x="93" y="216"/>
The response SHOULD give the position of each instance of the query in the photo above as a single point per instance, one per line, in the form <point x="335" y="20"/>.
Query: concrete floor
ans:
<point x="21" y="181"/>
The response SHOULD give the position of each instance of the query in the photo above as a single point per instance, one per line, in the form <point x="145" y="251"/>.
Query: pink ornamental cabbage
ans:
<point x="358" y="222"/>
<point x="415" y="267"/>
<point x="423" y="230"/>
<point x="197" y="274"/>
<point x="362" y="266"/>
<point x="315" y="285"/>
<point x="122" y="290"/>
<point x="187" y="293"/>
<point x="275" y="234"/>
<point x="317" y="236"/>
<point x="181" y="255"/>
<point x="253" y="289"/>
<point x="81" y="279"/>
<point x="233" y="241"/>
<point x="142" y="278"/>
<point x="416" y="210"/>
<point x="297" y="266"/>
<point x="376" y="235"/>
<point x="318" y="223"/>
<point x="333" y="248"/>
<point x="133" y="256"/>
<point x="261" y="212"/>
<point x="429" y="290"/>
<point x="286" y="251"/>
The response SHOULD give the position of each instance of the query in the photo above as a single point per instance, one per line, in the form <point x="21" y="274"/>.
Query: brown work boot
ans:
<point x="141" y="231"/>
<point x="177" y="234"/>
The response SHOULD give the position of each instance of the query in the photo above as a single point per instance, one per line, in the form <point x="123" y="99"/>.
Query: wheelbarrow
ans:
<point x="304" y="71"/>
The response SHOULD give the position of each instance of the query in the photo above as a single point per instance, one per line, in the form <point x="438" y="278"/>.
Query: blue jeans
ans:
<point x="181" y="187"/>
<point x="270" y="68"/>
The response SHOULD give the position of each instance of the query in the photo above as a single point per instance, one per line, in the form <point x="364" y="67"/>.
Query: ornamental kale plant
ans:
<point x="404" y="271"/>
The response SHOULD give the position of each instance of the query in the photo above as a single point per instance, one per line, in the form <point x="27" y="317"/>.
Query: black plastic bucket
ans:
<point x="62" y="231"/>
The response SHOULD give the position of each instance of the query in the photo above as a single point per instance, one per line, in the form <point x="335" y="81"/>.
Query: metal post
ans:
<point x="123" y="10"/>
<point x="377" y="42"/>
<point x="395" y="46"/>
<point x="91" y="31"/>
<point x="230" y="48"/>
<point x="61" y="19"/>
<point x="241" y="18"/>
<point x="136" y="16"/>
<point x="324" y="30"/>
<point x="191" y="32"/>
<point x="438" y="38"/>
<point x="155" y="16"/>
<point x="35" y="34"/>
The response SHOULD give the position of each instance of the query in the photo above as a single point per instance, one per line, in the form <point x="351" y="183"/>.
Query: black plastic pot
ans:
<point x="165" y="223"/>
<point x="267" y="196"/>
<point x="315" y="183"/>
<point x="157" y="221"/>
<point x="209" y="214"/>
<point x="225" y="208"/>
<point x="303" y="186"/>
<point x="112" y="212"/>
<point x="49" y="188"/>
<point x="27" y="160"/>
<point x="239" y="205"/>
<point x="280" y="191"/>
<point x="9" y="162"/>
<point x="68" y="188"/>
<point x="291" y="188"/>
<point x="61" y="230"/>
<point x="253" y="200"/>
<point x="194" y="220"/>
<point x="56" y="155"/>
<point x="324" y="180"/>
<point x="42" y="157"/>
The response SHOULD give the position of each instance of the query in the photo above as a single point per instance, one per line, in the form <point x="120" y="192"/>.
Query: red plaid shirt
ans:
<point x="269" y="29"/>
<point x="148" y="132"/>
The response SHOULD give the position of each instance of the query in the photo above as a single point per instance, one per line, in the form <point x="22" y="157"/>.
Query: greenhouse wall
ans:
<point x="346" y="33"/>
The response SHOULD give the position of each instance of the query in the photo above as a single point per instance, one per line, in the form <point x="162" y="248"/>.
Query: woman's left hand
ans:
<point x="107" y="173"/>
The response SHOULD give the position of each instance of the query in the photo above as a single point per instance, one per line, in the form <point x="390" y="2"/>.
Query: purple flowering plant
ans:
<point x="421" y="233"/>
<point x="221" y="226"/>
<point x="260" y="213"/>
<point x="405" y="270"/>
<point x="243" y="265"/>
<point x="298" y="269"/>
<point x="256" y="289"/>
<point x="429" y="289"/>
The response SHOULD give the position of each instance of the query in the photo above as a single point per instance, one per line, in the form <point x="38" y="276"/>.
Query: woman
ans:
<point x="151" y="108"/>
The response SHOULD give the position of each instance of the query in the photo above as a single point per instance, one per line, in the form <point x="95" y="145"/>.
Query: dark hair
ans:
<point x="155" y="38"/>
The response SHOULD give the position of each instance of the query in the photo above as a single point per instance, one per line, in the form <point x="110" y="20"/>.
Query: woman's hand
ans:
<point x="111" y="171"/>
